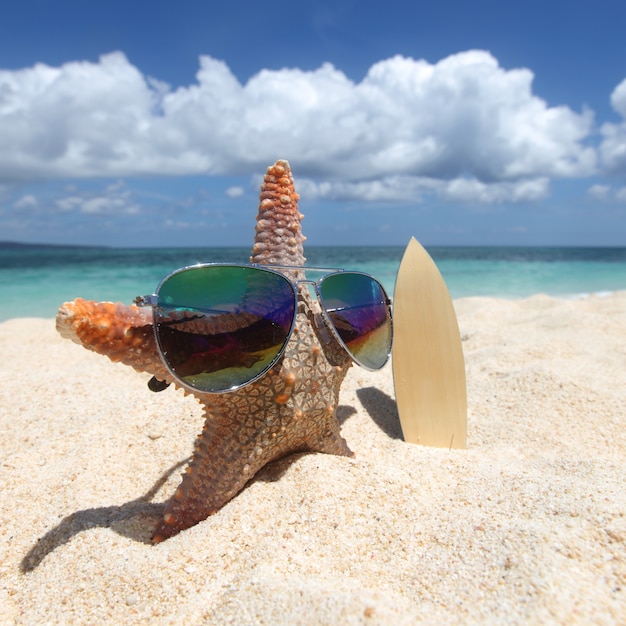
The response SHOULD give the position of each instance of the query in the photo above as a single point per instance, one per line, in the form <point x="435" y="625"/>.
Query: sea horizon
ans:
<point x="35" y="278"/>
<point x="45" y="244"/>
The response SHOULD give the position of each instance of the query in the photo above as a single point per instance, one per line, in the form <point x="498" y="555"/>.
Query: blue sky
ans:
<point x="151" y="123"/>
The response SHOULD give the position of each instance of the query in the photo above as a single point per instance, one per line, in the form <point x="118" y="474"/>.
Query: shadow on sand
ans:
<point x="137" y="518"/>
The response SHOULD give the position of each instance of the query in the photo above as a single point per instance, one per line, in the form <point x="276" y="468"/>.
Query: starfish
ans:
<point x="290" y="409"/>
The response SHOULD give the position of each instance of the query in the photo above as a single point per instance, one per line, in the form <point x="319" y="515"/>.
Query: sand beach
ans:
<point x="525" y="526"/>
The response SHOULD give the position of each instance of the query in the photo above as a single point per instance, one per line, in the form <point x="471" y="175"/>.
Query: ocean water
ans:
<point x="35" y="280"/>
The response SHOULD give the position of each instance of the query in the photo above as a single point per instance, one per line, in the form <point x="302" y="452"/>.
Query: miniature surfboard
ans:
<point x="428" y="365"/>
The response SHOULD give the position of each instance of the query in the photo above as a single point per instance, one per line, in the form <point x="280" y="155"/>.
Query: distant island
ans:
<point x="14" y="245"/>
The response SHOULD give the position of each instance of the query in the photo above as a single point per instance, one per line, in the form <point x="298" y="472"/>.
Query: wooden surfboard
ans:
<point x="428" y="365"/>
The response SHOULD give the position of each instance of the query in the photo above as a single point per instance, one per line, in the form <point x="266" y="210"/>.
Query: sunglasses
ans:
<point x="219" y="327"/>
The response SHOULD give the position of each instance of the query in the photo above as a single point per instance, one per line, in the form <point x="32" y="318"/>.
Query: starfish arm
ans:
<point x="122" y="333"/>
<point x="278" y="237"/>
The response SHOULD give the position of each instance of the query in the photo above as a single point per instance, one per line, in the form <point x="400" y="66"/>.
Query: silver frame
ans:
<point x="152" y="300"/>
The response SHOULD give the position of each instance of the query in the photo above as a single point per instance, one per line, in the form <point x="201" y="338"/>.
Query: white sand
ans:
<point x="526" y="526"/>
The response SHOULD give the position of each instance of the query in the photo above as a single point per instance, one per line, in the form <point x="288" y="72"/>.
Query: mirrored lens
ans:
<point x="220" y="327"/>
<point x="357" y="306"/>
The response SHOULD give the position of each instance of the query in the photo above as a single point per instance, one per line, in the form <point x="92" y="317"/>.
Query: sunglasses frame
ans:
<point x="152" y="300"/>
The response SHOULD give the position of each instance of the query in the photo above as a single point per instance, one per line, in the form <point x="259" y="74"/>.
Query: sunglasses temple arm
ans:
<point x="154" y="384"/>
<point x="150" y="300"/>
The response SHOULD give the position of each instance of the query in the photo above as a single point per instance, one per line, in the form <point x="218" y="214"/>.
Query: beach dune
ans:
<point x="525" y="526"/>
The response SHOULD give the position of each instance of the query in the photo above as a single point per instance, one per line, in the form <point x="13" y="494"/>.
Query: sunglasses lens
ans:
<point x="357" y="306"/>
<point x="220" y="327"/>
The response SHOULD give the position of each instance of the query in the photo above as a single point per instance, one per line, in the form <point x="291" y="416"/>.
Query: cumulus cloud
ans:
<point x="463" y="127"/>
<point x="613" y="147"/>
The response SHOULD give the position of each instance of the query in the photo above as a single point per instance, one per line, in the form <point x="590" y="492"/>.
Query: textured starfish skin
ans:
<point x="292" y="408"/>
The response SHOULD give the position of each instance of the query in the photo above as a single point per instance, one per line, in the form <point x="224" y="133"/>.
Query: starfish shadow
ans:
<point x="134" y="519"/>
<point x="344" y="413"/>
<point x="382" y="409"/>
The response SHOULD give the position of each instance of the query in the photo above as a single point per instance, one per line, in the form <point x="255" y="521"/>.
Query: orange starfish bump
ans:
<point x="290" y="408"/>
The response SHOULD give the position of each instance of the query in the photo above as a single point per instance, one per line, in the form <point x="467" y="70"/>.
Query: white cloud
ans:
<point x="600" y="192"/>
<point x="415" y="189"/>
<point x="613" y="147"/>
<point x="463" y="127"/>
<point x="472" y="190"/>
<point x="390" y="188"/>
<point x="618" y="98"/>
<point x="607" y="193"/>
<point x="115" y="199"/>
<point x="234" y="192"/>
<point x="26" y="202"/>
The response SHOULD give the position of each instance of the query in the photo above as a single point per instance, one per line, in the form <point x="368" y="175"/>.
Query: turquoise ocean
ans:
<point x="35" y="280"/>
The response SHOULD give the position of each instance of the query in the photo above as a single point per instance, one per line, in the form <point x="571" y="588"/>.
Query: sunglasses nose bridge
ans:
<point x="304" y="281"/>
<point x="310" y="303"/>
<point x="307" y="287"/>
